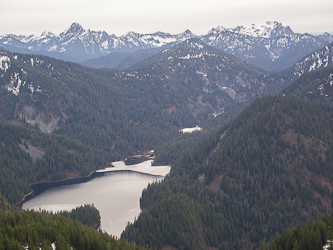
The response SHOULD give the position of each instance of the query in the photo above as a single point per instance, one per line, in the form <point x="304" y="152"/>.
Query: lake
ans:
<point x="116" y="194"/>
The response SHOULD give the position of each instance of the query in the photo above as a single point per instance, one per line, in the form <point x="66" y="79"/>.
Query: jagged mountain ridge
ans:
<point x="269" y="51"/>
<point x="271" y="45"/>
<point x="327" y="36"/>
<point x="84" y="44"/>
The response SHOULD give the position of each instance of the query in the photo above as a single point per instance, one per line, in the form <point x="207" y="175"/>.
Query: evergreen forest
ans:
<point x="261" y="167"/>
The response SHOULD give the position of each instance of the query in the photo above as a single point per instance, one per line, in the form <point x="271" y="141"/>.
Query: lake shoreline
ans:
<point x="39" y="187"/>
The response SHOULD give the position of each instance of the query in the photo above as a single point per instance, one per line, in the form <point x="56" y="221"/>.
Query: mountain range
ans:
<point x="193" y="81"/>
<point x="271" y="45"/>
<point x="234" y="185"/>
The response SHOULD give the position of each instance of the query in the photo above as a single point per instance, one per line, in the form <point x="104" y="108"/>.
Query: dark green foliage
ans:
<point x="310" y="236"/>
<point x="235" y="189"/>
<point x="314" y="86"/>
<point x="4" y="205"/>
<point x="123" y="112"/>
<point x="41" y="229"/>
<point x="186" y="222"/>
<point x="88" y="215"/>
<point x="255" y="172"/>
<point x="58" y="154"/>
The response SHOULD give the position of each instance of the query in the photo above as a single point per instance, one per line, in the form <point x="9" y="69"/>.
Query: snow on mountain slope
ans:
<point x="266" y="30"/>
<point x="316" y="60"/>
<point x="83" y="44"/>
<point x="271" y="45"/>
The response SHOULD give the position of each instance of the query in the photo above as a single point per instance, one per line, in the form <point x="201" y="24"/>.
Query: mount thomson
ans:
<point x="271" y="45"/>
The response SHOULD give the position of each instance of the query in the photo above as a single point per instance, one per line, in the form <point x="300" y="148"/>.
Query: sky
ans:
<point x="32" y="17"/>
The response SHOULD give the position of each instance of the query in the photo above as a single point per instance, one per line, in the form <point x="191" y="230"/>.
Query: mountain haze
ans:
<point x="271" y="45"/>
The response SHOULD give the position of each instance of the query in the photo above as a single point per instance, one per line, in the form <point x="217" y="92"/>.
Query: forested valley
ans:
<point x="265" y="171"/>
<point x="234" y="185"/>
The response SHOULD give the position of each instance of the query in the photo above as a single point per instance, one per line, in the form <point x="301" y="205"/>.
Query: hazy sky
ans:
<point x="118" y="17"/>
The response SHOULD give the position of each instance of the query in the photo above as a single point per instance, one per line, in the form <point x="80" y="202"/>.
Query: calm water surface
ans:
<point x="116" y="194"/>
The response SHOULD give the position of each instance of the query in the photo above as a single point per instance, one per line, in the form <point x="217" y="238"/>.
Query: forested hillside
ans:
<point x="40" y="230"/>
<point x="316" y="235"/>
<point x="124" y="112"/>
<point x="28" y="155"/>
<point x="266" y="170"/>
<point x="64" y="230"/>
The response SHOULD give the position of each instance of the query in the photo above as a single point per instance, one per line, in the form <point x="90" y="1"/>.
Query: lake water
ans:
<point x="116" y="194"/>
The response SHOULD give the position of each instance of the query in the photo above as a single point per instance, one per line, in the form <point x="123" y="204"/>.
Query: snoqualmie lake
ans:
<point x="116" y="194"/>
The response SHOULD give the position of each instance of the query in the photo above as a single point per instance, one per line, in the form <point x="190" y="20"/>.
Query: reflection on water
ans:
<point x="116" y="195"/>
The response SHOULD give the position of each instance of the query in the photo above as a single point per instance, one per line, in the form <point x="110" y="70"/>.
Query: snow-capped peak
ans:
<point x="132" y="34"/>
<point x="265" y="30"/>
<point x="217" y="30"/>
<point x="187" y="33"/>
<point x="74" y="28"/>
<point x="46" y="34"/>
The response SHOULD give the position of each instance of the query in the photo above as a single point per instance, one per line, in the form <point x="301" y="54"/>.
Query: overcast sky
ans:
<point x="118" y="17"/>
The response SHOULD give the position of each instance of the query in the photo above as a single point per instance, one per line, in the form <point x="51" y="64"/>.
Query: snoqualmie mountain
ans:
<point x="271" y="45"/>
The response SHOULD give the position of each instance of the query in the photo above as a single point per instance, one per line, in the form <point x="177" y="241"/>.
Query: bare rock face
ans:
<point x="47" y="123"/>
<point x="34" y="152"/>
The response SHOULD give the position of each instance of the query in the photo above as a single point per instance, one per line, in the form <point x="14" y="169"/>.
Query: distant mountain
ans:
<point x="122" y="60"/>
<point x="83" y="44"/>
<point x="327" y="36"/>
<point x="271" y="45"/>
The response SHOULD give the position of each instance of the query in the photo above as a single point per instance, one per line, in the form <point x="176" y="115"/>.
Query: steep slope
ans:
<point x="266" y="170"/>
<point x="318" y="86"/>
<point x="97" y="108"/>
<point x="122" y="112"/>
<point x="316" y="235"/>
<point x="42" y="230"/>
<point x="28" y="156"/>
<point x="189" y="84"/>
<point x="239" y="79"/>
<point x="316" y="60"/>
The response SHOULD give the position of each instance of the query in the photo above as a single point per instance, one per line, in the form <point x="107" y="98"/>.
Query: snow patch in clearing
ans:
<point x="190" y="130"/>
<point x="4" y="62"/>
<point x="15" y="84"/>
